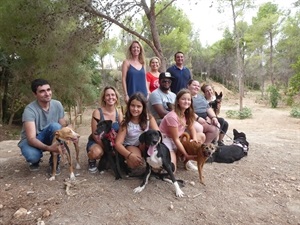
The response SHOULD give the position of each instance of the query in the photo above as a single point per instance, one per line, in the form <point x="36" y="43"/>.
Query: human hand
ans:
<point x="126" y="98"/>
<point x="54" y="147"/>
<point x="215" y="121"/>
<point x="201" y="121"/>
<point x="190" y="157"/>
<point x="136" y="160"/>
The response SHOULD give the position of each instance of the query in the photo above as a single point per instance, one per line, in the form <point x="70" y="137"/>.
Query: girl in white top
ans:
<point x="137" y="120"/>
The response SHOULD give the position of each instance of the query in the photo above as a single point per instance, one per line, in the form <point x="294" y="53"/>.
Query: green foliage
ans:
<point x="274" y="95"/>
<point x="294" y="82"/>
<point x="236" y="114"/>
<point x="295" y="112"/>
<point x="46" y="39"/>
<point x="174" y="29"/>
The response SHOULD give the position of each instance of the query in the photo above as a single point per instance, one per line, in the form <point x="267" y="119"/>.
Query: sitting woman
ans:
<point x="136" y="121"/>
<point x="209" y="95"/>
<point x="175" y="123"/>
<point x="107" y="111"/>
<point x="205" y="114"/>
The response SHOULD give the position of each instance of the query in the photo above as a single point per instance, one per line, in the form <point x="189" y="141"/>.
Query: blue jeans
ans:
<point x="32" y="154"/>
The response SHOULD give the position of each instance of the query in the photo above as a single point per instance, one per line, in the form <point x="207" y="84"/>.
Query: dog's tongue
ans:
<point x="150" y="150"/>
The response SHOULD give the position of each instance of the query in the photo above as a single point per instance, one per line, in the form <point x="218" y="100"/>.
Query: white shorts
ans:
<point x="169" y="143"/>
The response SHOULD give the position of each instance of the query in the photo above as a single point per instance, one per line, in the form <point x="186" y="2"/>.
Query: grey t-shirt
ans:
<point x="200" y="105"/>
<point x="161" y="98"/>
<point x="42" y="118"/>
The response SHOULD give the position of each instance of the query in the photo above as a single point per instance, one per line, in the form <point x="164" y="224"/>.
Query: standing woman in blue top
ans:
<point x="181" y="73"/>
<point x="133" y="71"/>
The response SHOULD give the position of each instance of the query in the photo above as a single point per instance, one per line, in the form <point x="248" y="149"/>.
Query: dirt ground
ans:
<point x="263" y="188"/>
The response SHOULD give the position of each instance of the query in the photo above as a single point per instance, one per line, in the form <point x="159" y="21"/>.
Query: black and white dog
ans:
<point x="111" y="158"/>
<point x="234" y="152"/>
<point x="157" y="157"/>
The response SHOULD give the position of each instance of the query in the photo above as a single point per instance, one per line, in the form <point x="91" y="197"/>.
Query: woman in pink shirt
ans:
<point x="175" y="123"/>
<point x="153" y="74"/>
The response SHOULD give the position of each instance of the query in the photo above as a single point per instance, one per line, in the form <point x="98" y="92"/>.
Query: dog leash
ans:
<point x="220" y="130"/>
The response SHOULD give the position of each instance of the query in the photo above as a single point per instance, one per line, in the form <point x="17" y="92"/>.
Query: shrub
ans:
<point x="274" y="95"/>
<point x="243" y="114"/>
<point x="295" y="112"/>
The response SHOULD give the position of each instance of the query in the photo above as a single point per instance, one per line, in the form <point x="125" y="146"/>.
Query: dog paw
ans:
<point x="52" y="178"/>
<point x="138" y="189"/>
<point x="179" y="194"/>
<point x="72" y="176"/>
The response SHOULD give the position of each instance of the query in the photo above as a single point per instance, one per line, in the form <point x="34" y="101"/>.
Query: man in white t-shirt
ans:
<point x="161" y="101"/>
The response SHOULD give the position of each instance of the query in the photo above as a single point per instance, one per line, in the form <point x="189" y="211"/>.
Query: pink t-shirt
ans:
<point x="171" y="120"/>
<point x="154" y="82"/>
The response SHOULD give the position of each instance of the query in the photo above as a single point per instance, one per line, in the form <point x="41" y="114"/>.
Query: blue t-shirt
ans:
<point x="182" y="78"/>
<point x="136" y="81"/>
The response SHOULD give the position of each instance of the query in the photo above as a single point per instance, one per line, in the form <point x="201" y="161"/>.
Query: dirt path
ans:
<point x="263" y="188"/>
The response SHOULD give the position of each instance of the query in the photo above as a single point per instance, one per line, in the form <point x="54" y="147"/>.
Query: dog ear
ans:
<point x="142" y="137"/>
<point x="221" y="94"/>
<point x="235" y="132"/>
<point x="216" y="94"/>
<point x="161" y="138"/>
<point x="97" y="120"/>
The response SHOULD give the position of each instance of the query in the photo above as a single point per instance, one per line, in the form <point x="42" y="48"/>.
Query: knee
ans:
<point x="225" y="126"/>
<point x="33" y="156"/>
<point x="95" y="152"/>
<point x="54" y="126"/>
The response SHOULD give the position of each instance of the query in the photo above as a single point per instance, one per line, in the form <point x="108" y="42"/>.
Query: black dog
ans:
<point x="111" y="158"/>
<point x="216" y="104"/>
<point x="234" y="152"/>
<point x="157" y="157"/>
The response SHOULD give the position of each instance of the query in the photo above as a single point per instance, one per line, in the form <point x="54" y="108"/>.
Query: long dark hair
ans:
<point x="144" y="115"/>
<point x="188" y="113"/>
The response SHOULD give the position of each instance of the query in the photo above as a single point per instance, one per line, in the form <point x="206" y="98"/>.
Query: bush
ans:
<point x="243" y="114"/>
<point x="274" y="95"/>
<point x="295" y="112"/>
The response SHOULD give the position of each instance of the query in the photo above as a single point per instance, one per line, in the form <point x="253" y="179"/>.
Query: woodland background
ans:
<point x="67" y="41"/>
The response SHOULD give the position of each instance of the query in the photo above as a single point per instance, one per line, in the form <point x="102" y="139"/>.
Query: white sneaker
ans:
<point x="191" y="166"/>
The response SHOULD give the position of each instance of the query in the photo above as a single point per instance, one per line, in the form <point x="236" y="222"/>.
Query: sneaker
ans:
<point x="221" y="143"/>
<point x="34" y="167"/>
<point x="58" y="171"/>
<point x="92" y="165"/>
<point x="190" y="166"/>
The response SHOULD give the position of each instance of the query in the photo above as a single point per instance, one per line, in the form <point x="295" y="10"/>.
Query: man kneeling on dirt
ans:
<point x="41" y="118"/>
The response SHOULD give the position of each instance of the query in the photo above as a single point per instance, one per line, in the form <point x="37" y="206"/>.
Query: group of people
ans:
<point x="166" y="101"/>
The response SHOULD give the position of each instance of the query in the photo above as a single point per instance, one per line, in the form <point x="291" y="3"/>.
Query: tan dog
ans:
<point x="203" y="152"/>
<point x="65" y="136"/>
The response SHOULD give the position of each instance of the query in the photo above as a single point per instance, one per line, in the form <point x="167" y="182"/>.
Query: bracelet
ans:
<point x="213" y="117"/>
<point x="129" y="155"/>
<point x="197" y="118"/>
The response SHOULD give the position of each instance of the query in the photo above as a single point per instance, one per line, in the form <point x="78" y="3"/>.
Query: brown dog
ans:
<point x="65" y="136"/>
<point x="203" y="151"/>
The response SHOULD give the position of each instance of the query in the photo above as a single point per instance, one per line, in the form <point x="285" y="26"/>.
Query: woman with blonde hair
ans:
<point x="109" y="101"/>
<point x="133" y="71"/>
<point x="153" y="74"/>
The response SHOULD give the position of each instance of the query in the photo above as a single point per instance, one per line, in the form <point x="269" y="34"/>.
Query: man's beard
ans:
<point x="164" y="88"/>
